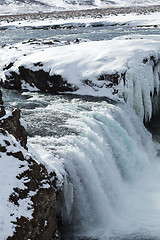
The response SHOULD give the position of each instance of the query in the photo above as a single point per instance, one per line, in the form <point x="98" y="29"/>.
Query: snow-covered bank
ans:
<point x="125" y="68"/>
<point x="151" y="19"/>
<point x="27" y="188"/>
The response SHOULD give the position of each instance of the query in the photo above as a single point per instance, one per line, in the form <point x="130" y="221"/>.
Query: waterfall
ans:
<point x="108" y="163"/>
<point x="112" y="171"/>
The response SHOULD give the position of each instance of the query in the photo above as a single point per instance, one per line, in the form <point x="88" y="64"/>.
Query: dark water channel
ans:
<point x="154" y="127"/>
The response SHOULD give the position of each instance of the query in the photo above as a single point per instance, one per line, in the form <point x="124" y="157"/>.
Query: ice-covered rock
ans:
<point x="142" y="84"/>
<point x="124" y="68"/>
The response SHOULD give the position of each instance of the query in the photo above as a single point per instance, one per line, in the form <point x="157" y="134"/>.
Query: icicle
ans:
<point x="142" y="82"/>
<point x="66" y="201"/>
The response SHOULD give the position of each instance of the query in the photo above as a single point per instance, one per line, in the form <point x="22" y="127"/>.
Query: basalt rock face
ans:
<point x="29" y="192"/>
<point x="39" y="79"/>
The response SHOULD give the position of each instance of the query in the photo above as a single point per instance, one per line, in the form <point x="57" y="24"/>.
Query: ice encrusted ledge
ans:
<point x="123" y="69"/>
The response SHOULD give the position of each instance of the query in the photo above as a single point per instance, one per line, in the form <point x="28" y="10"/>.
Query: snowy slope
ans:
<point x="24" y="6"/>
<point x="20" y="169"/>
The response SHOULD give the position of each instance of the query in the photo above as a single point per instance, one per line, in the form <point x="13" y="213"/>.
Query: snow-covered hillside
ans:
<point x="28" y="6"/>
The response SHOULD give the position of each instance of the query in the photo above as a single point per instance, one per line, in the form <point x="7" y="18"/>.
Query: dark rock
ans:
<point x="2" y="110"/>
<point x="36" y="184"/>
<point x="2" y="148"/>
<point x="53" y="84"/>
<point x="38" y="64"/>
<point x="18" y="155"/>
<point x="43" y="226"/>
<point x="39" y="188"/>
<point x="76" y="40"/>
<point x="8" y="66"/>
<point x="97" y="24"/>
<point x="13" y="126"/>
<point x="12" y="81"/>
<point x="114" y="78"/>
<point x="40" y="79"/>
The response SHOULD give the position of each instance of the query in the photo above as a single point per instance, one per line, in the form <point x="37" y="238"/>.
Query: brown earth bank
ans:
<point x="93" y="13"/>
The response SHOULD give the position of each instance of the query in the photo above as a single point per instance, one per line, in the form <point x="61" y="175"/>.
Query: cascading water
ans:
<point x="109" y="163"/>
<point x="111" y="188"/>
<point x="112" y="171"/>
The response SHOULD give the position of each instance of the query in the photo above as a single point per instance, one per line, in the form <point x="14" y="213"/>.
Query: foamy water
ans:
<point x="112" y="190"/>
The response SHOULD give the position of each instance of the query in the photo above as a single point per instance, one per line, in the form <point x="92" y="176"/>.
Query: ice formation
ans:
<point x="135" y="59"/>
<point x="142" y="83"/>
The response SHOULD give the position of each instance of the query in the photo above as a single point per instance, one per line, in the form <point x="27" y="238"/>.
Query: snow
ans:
<point x="51" y="163"/>
<point x="16" y="7"/>
<point x="29" y="87"/>
<point x="8" y="172"/>
<point x="87" y="61"/>
<point x="23" y="123"/>
<point x="77" y="63"/>
<point x="8" y="114"/>
<point x="129" y="20"/>
<point x="10" y="168"/>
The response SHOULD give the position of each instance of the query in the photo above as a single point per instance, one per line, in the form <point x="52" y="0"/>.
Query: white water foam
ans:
<point x="113" y="167"/>
<point x="112" y="190"/>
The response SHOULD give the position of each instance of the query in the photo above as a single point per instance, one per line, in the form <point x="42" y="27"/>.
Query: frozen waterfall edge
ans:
<point x="142" y="87"/>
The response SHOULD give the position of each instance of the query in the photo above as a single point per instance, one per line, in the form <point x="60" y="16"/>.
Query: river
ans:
<point x="112" y="189"/>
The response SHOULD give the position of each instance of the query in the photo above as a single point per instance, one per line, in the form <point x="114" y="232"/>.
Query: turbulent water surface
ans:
<point x="92" y="33"/>
<point x="112" y="189"/>
<point x="110" y="159"/>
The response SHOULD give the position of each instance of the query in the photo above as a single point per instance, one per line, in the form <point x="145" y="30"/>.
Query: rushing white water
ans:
<point x="114" y="171"/>
<point x="111" y="190"/>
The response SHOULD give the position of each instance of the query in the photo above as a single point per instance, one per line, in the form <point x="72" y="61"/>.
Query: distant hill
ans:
<point x="28" y="6"/>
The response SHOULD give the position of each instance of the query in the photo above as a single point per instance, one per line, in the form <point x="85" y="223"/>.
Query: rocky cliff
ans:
<point x="28" y="193"/>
